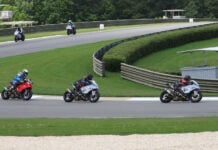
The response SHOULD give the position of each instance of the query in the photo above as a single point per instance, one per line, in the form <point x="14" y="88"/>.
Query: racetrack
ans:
<point x="55" y="107"/>
<point x="52" y="42"/>
<point x="52" y="106"/>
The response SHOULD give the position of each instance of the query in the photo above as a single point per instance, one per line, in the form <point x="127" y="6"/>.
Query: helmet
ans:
<point x="69" y="21"/>
<point x="25" y="72"/>
<point x="89" y="77"/>
<point x="187" y="77"/>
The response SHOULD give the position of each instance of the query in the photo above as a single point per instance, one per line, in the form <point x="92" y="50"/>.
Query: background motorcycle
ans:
<point x="190" y="92"/>
<point x="23" y="91"/>
<point x="70" y="29"/>
<point x="88" y="93"/>
<point x="18" y="36"/>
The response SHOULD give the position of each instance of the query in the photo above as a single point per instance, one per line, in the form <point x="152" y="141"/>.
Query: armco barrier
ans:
<point x="159" y="80"/>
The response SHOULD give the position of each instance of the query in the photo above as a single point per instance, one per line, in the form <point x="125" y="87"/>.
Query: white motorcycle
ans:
<point x="71" y="29"/>
<point x="190" y="92"/>
<point x="87" y="93"/>
<point x="18" y="36"/>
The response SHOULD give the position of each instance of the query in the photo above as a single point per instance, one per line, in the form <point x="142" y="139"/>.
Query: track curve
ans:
<point x="55" y="107"/>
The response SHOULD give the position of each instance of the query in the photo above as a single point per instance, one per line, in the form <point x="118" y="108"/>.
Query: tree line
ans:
<point x="59" y="11"/>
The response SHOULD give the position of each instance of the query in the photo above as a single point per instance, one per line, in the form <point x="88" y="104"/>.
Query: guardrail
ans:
<point x="159" y="80"/>
<point x="98" y="65"/>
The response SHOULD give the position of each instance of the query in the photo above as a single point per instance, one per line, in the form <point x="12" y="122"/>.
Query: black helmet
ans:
<point x="89" y="76"/>
<point x="187" y="77"/>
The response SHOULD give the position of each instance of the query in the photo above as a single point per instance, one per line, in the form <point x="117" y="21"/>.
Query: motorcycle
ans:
<point x="86" y="93"/>
<point x="22" y="91"/>
<point x="190" y="92"/>
<point x="18" y="36"/>
<point x="71" y="29"/>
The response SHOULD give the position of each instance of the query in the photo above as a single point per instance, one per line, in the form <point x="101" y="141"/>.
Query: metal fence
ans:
<point x="159" y="80"/>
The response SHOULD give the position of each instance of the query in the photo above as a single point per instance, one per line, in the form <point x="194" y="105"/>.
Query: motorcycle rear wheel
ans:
<point x="195" y="98"/>
<point x="5" y="95"/>
<point x="165" y="97"/>
<point x="68" y="97"/>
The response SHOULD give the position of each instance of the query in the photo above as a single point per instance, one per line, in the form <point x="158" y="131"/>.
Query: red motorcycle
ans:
<point x="22" y="91"/>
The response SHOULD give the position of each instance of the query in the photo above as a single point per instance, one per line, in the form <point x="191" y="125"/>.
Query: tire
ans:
<point x="23" y="38"/>
<point x="74" y="31"/>
<point x="26" y="94"/>
<point x="195" y="98"/>
<point x="94" y="98"/>
<point x="165" y="97"/>
<point x="68" y="97"/>
<point x="15" y="39"/>
<point x="68" y="32"/>
<point x="5" y="95"/>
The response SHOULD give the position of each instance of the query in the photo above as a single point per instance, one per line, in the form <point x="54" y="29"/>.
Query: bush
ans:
<point x="130" y="51"/>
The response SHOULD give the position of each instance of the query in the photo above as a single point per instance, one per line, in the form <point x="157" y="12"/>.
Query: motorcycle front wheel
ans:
<point x="15" y="39"/>
<point x="68" y="97"/>
<point x="94" y="96"/>
<point x="27" y="94"/>
<point x="165" y="97"/>
<point x="5" y="95"/>
<point x="196" y="96"/>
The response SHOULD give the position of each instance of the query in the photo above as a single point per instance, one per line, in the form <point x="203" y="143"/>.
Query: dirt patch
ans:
<point x="190" y="141"/>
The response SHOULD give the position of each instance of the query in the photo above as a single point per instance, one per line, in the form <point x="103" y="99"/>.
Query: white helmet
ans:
<point x="25" y="72"/>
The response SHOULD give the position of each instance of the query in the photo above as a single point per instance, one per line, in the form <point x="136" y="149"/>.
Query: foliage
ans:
<point x="56" y="11"/>
<point x="129" y="52"/>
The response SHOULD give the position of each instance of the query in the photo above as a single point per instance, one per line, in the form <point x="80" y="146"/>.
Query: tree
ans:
<point x="191" y="9"/>
<point x="212" y="8"/>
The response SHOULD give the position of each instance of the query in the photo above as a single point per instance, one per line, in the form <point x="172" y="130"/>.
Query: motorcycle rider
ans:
<point x="19" y="78"/>
<point x="71" y="24"/>
<point x="186" y="80"/>
<point x="86" y="80"/>
<point x="20" y="30"/>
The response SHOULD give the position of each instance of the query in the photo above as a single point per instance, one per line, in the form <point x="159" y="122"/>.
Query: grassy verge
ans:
<point x="53" y="71"/>
<point x="66" y="127"/>
<point x="164" y="61"/>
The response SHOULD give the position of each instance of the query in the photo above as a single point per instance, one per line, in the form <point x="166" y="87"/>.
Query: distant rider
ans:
<point x="19" y="29"/>
<point x="71" y="24"/>
<point x="19" y="78"/>
<point x="83" y="82"/>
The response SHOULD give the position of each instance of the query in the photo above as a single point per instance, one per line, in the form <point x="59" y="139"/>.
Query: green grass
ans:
<point x="53" y="71"/>
<point x="67" y="127"/>
<point x="169" y="61"/>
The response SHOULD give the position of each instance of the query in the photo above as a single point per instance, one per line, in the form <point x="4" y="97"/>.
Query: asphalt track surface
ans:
<point x="55" y="107"/>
